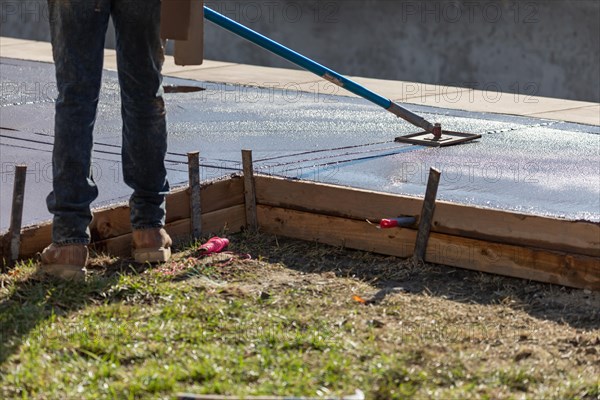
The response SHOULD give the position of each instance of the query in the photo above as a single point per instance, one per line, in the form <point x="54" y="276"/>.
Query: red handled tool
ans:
<point x="387" y="223"/>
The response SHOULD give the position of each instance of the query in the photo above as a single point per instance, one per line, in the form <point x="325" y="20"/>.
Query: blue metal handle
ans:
<point x="314" y="67"/>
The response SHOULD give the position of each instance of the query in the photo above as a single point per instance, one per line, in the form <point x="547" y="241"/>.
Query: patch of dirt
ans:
<point x="389" y="276"/>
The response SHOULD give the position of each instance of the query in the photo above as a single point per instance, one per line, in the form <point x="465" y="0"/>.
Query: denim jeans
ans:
<point x="78" y="29"/>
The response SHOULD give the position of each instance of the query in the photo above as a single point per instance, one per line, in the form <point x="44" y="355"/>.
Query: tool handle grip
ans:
<point x="394" y="222"/>
<point x="388" y="223"/>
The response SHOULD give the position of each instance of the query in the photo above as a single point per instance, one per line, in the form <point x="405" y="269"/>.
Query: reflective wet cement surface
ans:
<point x="523" y="164"/>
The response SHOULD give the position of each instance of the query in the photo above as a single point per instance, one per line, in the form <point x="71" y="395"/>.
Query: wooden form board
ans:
<point x="113" y="222"/>
<point x="524" y="246"/>
<point x="579" y="237"/>
<point x="542" y="265"/>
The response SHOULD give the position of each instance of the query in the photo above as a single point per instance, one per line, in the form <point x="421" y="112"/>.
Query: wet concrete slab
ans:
<point x="525" y="164"/>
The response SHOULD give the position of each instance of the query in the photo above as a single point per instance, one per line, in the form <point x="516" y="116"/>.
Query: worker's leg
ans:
<point x="78" y="29"/>
<point x="139" y="58"/>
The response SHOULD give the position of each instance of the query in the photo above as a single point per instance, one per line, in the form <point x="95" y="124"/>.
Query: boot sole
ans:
<point x="152" y="255"/>
<point x="64" y="272"/>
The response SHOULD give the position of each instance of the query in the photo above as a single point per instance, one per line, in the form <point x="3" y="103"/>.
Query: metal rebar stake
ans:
<point x="16" y="215"/>
<point x="249" y="190"/>
<point x="195" y="203"/>
<point x="426" y="215"/>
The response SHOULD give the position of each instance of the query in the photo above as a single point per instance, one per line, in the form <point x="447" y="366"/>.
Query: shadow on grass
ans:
<point x="38" y="298"/>
<point x="577" y="308"/>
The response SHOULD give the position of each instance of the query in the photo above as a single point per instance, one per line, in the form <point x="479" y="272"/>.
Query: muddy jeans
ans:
<point x="78" y="29"/>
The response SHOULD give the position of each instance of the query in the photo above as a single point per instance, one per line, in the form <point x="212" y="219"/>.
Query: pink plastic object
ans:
<point x="214" y="245"/>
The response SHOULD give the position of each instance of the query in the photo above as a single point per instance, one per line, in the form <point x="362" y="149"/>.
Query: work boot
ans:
<point x="151" y="245"/>
<point x="65" y="261"/>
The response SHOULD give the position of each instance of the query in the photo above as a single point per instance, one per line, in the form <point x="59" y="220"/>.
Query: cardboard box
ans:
<point x="183" y="21"/>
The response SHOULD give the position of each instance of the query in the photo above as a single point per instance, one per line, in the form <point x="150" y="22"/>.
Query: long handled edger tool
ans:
<point x="433" y="135"/>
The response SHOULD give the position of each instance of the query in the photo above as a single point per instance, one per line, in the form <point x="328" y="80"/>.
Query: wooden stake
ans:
<point x="249" y="190"/>
<point x="195" y="203"/>
<point x="16" y="216"/>
<point x="426" y="215"/>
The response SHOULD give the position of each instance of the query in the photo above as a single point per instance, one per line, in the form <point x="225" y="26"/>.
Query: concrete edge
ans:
<point x="455" y="98"/>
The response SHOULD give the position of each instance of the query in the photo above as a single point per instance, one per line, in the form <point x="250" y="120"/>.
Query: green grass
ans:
<point x="285" y="323"/>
